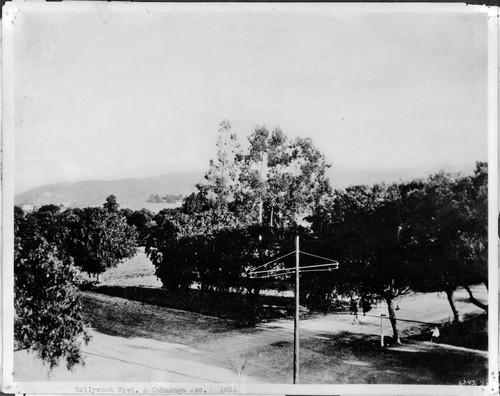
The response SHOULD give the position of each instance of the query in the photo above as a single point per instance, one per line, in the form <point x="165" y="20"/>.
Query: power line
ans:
<point x="333" y="265"/>
<point x="286" y="271"/>
<point x="321" y="257"/>
<point x="272" y="261"/>
<point x="289" y="272"/>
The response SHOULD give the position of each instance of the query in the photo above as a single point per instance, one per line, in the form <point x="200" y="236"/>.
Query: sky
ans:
<point x="109" y="94"/>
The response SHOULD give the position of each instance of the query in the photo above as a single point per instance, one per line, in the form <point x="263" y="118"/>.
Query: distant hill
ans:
<point x="133" y="193"/>
<point x="341" y="177"/>
<point x="129" y="192"/>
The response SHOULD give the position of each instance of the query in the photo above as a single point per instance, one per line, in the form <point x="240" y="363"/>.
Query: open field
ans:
<point x="136" y="271"/>
<point x="141" y="341"/>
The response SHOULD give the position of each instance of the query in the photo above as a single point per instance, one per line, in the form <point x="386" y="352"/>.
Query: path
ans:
<point x="133" y="341"/>
<point x="130" y="359"/>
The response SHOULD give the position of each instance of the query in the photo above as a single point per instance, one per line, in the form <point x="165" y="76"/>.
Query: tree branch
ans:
<point x="474" y="301"/>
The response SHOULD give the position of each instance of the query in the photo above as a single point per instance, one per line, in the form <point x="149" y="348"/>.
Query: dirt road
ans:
<point x="133" y="341"/>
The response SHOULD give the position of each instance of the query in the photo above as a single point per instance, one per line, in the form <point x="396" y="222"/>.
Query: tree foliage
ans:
<point x="141" y="220"/>
<point x="282" y="180"/>
<point x="111" y="204"/>
<point x="223" y="173"/>
<point x="99" y="238"/>
<point x="48" y="311"/>
<point x="425" y="235"/>
<point x="213" y="248"/>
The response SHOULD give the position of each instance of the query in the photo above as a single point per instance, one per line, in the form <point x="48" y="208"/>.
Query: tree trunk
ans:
<point x="260" y="211"/>
<point x="473" y="300"/>
<point x="392" y="318"/>
<point x="449" y="294"/>
<point x="272" y="214"/>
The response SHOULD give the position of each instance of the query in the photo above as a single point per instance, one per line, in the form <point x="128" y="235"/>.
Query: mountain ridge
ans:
<point x="137" y="190"/>
<point x="94" y="192"/>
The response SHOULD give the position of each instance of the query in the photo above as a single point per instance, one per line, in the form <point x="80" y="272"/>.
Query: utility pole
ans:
<point x="279" y="272"/>
<point x="296" y="332"/>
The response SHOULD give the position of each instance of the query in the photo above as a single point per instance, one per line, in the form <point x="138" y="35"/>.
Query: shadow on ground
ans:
<point x="471" y="332"/>
<point x="245" y="309"/>
<point x="411" y="362"/>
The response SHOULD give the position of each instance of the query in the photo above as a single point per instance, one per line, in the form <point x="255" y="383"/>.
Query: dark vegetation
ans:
<point x="425" y="235"/>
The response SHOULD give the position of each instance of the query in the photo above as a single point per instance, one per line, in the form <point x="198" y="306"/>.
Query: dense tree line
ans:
<point x="169" y="198"/>
<point x="424" y="235"/>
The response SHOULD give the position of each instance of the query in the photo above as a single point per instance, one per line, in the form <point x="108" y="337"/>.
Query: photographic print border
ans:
<point x="8" y="161"/>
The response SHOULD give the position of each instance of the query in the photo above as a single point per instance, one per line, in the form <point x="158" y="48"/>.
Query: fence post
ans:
<point x="382" y="330"/>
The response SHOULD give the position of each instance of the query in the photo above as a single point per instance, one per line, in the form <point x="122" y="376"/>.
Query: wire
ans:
<point x="272" y="261"/>
<point x="318" y="270"/>
<point x="293" y="268"/>
<point x="336" y="264"/>
<point x="270" y="271"/>
<point x="288" y="271"/>
<point x="314" y="255"/>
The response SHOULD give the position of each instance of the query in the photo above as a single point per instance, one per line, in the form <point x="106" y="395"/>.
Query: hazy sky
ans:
<point x="132" y="94"/>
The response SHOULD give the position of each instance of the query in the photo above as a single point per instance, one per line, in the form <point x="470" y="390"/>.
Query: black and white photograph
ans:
<point x="249" y="198"/>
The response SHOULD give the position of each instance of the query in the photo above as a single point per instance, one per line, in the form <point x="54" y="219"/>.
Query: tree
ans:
<point x="142" y="221"/>
<point x="111" y="205"/>
<point x="256" y="166"/>
<point x="198" y="201"/>
<point x="300" y="170"/>
<point x="277" y="181"/>
<point x="222" y="176"/>
<point x="51" y="208"/>
<point x="47" y="223"/>
<point x="447" y="232"/>
<point x="284" y="179"/>
<point x="188" y="248"/>
<point x="154" y="198"/>
<point x="48" y="310"/>
<point x="361" y="228"/>
<point x="172" y="198"/>
<point x="430" y="231"/>
<point x="476" y="241"/>
<point x="99" y="238"/>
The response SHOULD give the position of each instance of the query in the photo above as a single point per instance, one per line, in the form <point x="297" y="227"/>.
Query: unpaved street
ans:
<point x="133" y="341"/>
